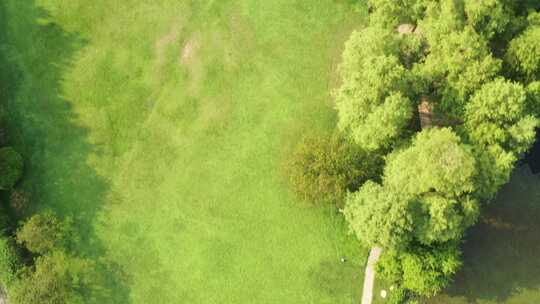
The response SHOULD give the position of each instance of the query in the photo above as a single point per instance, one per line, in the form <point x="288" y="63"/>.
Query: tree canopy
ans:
<point x="436" y="161"/>
<point x="523" y="53"/>
<point x="56" y="277"/>
<point x="424" y="270"/>
<point x="44" y="232"/>
<point x="373" y="103"/>
<point x="497" y="114"/>
<point x="500" y="122"/>
<point x="475" y="65"/>
<point x="425" y="195"/>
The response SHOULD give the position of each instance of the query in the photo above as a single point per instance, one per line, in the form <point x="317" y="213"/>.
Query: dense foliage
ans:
<point x="373" y="103"/>
<point x="56" y="277"/>
<point x="55" y="273"/>
<point x="475" y="67"/>
<point x="421" y="269"/>
<point x="324" y="168"/>
<point x="424" y="198"/>
<point x="44" y="232"/>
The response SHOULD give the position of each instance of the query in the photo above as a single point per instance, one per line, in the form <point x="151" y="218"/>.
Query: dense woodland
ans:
<point x="438" y="102"/>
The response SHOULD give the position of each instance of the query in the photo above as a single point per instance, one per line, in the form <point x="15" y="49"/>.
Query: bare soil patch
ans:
<point x="189" y="50"/>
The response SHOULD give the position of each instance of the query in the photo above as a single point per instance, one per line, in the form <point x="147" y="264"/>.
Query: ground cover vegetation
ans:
<point x="148" y="134"/>
<point x="446" y="92"/>
<point x="157" y="129"/>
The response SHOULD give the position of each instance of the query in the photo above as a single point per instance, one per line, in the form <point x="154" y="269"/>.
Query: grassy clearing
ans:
<point x="161" y="126"/>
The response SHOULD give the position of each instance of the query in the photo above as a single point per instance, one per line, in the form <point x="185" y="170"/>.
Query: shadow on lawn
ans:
<point x="34" y="54"/>
<point x="501" y="252"/>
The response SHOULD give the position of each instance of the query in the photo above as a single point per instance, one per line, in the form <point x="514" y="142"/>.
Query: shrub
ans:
<point x="56" y="278"/>
<point x="324" y="168"/>
<point x="11" y="166"/>
<point x="9" y="261"/>
<point x="43" y="233"/>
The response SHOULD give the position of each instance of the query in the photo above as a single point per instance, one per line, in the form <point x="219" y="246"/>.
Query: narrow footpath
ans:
<point x="369" y="278"/>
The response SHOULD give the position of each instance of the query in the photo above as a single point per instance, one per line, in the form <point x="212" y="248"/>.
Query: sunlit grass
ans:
<point x="162" y="125"/>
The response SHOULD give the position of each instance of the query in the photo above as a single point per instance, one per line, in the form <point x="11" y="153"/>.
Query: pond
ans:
<point x="533" y="157"/>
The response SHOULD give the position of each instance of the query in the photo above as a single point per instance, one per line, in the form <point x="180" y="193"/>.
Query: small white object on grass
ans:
<point x="343" y="260"/>
<point x="391" y="287"/>
<point x="383" y="294"/>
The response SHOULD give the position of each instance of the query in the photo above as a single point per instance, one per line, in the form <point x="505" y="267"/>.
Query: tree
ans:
<point x="458" y="63"/>
<point x="488" y="17"/>
<point x="425" y="270"/>
<point x="425" y="196"/>
<point x="11" y="166"/>
<point x="450" y="55"/>
<point x="373" y="102"/>
<point x="523" y="54"/>
<point x="384" y="124"/>
<point x="379" y="217"/>
<point x="44" y="232"/>
<point x="324" y="168"/>
<point x="497" y="115"/>
<point x="56" y="278"/>
<point x="390" y="13"/>
<point x="436" y="175"/>
<point x="494" y="168"/>
<point x="500" y="122"/>
<point x="435" y="162"/>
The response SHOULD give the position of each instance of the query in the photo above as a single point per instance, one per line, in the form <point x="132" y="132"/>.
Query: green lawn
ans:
<point x="161" y="126"/>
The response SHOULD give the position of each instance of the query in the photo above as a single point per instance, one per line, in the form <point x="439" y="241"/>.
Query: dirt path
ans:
<point x="369" y="278"/>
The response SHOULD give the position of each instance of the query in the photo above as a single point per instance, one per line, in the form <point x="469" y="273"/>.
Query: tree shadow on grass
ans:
<point x="336" y="278"/>
<point x="35" y="52"/>
<point x="501" y="252"/>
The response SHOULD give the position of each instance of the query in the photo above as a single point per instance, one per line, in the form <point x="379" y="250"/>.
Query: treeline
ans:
<point x="438" y="102"/>
<point x="38" y="263"/>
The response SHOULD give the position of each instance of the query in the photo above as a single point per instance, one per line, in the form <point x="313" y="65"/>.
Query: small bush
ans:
<point x="324" y="168"/>
<point x="11" y="166"/>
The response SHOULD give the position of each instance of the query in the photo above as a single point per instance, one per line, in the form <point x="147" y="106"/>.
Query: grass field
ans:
<point x="161" y="125"/>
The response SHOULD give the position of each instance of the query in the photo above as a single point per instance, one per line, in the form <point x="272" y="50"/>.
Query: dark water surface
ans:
<point x="533" y="157"/>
